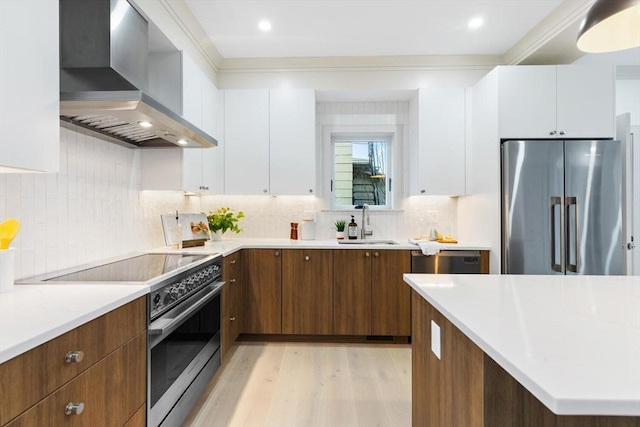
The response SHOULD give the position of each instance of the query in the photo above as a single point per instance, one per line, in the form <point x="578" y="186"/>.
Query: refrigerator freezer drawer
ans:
<point x="446" y="262"/>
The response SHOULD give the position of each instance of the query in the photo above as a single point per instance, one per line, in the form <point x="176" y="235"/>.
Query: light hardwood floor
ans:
<point x="309" y="385"/>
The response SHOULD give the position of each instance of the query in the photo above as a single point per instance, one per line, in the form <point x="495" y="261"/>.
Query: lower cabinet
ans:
<point x="307" y="291"/>
<point x="101" y="364"/>
<point x="370" y="297"/>
<point x="263" y="291"/>
<point x="232" y="313"/>
<point x="356" y="292"/>
<point x="352" y="292"/>
<point x="390" y="295"/>
<point x="109" y="393"/>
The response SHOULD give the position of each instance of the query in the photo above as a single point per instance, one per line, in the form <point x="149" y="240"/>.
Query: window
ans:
<point x="360" y="170"/>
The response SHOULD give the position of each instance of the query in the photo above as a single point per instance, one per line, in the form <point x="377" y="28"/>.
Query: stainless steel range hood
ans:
<point x="104" y="78"/>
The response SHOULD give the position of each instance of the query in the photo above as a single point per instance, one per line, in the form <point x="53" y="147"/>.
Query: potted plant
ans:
<point x="222" y="220"/>
<point x="340" y="224"/>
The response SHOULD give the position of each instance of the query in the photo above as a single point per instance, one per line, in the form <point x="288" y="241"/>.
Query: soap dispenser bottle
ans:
<point x="353" y="229"/>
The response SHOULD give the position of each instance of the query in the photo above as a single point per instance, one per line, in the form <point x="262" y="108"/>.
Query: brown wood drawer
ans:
<point x="113" y="390"/>
<point x="28" y="378"/>
<point x="139" y="419"/>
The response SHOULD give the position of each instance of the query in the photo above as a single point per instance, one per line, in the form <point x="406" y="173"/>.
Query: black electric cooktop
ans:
<point x="139" y="268"/>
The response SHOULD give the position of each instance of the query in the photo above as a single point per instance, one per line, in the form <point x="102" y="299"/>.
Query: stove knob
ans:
<point x="156" y="300"/>
<point x="173" y="293"/>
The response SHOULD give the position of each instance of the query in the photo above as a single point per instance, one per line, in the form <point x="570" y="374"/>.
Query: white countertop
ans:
<point x="229" y="246"/>
<point x="31" y="315"/>
<point x="572" y="341"/>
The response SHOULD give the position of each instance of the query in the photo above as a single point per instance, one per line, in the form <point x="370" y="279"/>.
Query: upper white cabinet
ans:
<point x="193" y="170"/>
<point x="292" y="153"/>
<point x="246" y="156"/>
<point x="270" y="142"/>
<point x="442" y="116"/>
<point x="29" y="86"/>
<point x="564" y="101"/>
<point x="196" y="170"/>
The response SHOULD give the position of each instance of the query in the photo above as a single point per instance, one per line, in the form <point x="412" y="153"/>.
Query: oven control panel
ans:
<point x="183" y="287"/>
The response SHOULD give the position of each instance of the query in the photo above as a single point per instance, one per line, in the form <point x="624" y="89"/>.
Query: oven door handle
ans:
<point x="167" y="324"/>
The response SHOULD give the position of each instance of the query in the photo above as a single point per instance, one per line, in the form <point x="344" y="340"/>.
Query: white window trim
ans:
<point x="394" y="141"/>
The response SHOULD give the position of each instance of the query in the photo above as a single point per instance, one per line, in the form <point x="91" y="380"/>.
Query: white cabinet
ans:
<point x="270" y="142"/>
<point x="196" y="170"/>
<point x="564" y="101"/>
<point x="292" y="153"/>
<point x="192" y="170"/>
<point x="442" y="116"/>
<point x="29" y="84"/>
<point x="246" y="137"/>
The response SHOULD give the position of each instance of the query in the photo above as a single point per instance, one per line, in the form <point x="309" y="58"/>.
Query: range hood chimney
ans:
<point x="104" y="70"/>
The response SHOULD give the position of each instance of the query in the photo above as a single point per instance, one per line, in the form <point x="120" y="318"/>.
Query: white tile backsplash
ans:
<point x="92" y="209"/>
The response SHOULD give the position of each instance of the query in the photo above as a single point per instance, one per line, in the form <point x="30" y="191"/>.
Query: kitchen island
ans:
<point x="525" y="350"/>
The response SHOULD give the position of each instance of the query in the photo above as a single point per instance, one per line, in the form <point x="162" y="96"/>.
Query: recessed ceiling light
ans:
<point x="145" y="124"/>
<point x="182" y="142"/>
<point x="475" y="23"/>
<point x="264" y="25"/>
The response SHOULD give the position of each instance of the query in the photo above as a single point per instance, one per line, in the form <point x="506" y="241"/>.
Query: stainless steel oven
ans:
<point x="184" y="343"/>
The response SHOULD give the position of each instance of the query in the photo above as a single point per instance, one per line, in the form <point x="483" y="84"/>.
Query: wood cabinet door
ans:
<point x="307" y="292"/>
<point x="390" y="295"/>
<point x="352" y="292"/>
<point x="112" y="390"/>
<point x="263" y="291"/>
<point x="231" y="301"/>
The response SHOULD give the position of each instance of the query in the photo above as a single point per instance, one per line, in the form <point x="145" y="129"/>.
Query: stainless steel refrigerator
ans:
<point x="561" y="207"/>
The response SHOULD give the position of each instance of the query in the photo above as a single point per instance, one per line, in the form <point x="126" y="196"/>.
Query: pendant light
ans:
<point x="610" y="25"/>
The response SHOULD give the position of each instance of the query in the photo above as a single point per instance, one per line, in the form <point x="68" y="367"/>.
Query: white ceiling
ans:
<point x="355" y="28"/>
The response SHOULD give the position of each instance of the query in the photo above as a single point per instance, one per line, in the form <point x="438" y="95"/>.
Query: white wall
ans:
<point x="628" y="99"/>
<point x="92" y="209"/>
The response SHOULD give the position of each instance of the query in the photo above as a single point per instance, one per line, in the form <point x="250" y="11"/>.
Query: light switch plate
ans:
<point x="435" y="339"/>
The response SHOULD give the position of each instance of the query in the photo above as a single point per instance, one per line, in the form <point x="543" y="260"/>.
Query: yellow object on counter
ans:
<point x="8" y="230"/>
<point x="446" y="240"/>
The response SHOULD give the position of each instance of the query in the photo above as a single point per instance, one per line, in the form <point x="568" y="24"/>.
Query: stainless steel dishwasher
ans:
<point x="446" y="262"/>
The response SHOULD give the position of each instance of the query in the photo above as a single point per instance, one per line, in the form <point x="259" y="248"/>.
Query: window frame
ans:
<point x="390" y="134"/>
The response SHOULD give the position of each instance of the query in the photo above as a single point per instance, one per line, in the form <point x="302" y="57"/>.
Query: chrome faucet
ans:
<point x="364" y="231"/>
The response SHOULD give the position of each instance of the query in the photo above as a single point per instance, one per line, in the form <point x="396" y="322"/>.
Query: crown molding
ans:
<point x="563" y="17"/>
<point x="188" y="23"/>
<point x="368" y="63"/>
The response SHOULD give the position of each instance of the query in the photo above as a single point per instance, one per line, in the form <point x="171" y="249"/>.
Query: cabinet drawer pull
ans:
<point x="232" y="281"/>
<point x="233" y="261"/>
<point x="553" y="132"/>
<point x="562" y="132"/>
<point x="367" y="254"/>
<point x="376" y="254"/>
<point x="276" y="253"/>
<point x="74" y="408"/>
<point x="306" y="258"/>
<point x="423" y="191"/>
<point x="74" y="356"/>
<point x="232" y="318"/>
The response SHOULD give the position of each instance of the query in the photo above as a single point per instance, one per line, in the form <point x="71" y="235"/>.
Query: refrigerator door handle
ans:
<point x="569" y="201"/>
<point x="555" y="202"/>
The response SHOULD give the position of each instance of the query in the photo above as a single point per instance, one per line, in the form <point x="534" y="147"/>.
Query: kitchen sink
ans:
<point x="368" y="242"/>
